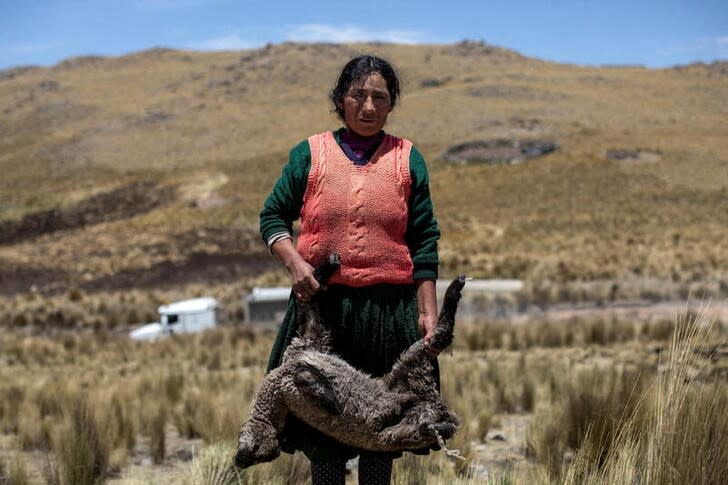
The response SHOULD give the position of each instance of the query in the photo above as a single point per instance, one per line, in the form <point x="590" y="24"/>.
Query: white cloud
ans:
<point x="230" y="42"/>
<point x="351" y="33"/>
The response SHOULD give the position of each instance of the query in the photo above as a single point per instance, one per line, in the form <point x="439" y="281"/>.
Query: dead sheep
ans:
<point x="399" y="411"/>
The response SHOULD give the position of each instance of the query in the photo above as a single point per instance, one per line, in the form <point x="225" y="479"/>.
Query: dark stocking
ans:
<point x="328" y="472"/>
<point x="375" y="469"/>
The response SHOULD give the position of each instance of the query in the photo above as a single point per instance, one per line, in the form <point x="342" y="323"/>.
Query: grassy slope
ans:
<point x="218" y="127"/>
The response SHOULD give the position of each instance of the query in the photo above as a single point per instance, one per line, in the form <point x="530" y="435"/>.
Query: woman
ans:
<point x="365" y="195"/>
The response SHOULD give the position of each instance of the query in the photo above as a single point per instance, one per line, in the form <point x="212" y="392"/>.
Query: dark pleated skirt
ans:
<point x="371" y="326"/>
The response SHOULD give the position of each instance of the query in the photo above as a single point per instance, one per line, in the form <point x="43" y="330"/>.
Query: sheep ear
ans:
<point x="313" y="382"/>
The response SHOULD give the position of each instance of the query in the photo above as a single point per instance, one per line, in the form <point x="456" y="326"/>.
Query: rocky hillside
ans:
<point x="148" y="170"/>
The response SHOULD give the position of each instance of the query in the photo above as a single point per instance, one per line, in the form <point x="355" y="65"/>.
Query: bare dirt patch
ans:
<point x="197" y="268"/>
<point x="15" y="278"/>
<point x="126" y="201"/>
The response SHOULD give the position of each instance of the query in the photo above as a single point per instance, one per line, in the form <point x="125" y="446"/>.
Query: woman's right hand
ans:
<point x="302" y="280"/>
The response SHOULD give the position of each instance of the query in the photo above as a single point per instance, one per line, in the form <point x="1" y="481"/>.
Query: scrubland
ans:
<point x="603" y="401"/>
<point x="133" y="181"/>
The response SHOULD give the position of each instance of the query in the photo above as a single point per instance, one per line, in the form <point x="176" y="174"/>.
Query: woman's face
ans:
<point x="367" y="104"/>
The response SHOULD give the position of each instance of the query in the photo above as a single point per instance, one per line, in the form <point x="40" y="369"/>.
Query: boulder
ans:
<point x="633" y="154"/>
<point x="499" y="150"/>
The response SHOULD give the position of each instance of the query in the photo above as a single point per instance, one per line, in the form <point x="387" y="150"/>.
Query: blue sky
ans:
<point x="654" y="33"/>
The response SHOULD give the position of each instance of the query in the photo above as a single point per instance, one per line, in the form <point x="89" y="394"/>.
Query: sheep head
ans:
<point x="257" y="443"/>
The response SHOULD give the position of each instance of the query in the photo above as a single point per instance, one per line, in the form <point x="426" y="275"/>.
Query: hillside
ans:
<point x="148" y="170"/>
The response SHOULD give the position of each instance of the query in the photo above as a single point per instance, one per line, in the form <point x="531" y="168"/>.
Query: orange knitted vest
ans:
<point x="359" y="212"/>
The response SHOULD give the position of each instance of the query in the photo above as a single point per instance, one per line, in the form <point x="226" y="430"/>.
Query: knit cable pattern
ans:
<point x="359" y="212"/>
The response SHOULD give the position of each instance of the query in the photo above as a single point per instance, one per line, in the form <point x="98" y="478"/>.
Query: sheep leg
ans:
<point x="444" y="430"/>
<point x="326" y="268"/>
<point x="446" y="321"/>
<point x="397" y="406"/>
<point x="414" y="364"/>
<point x="406" y="435"/>
<point x="310" y="325"/>
<point x="419" y="428"/>
<point x="312" y="331"/>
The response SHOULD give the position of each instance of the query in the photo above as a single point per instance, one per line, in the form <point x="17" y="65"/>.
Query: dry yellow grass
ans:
<point x="170" y="401"/>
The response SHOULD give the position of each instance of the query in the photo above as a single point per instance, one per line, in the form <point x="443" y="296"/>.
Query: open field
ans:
<point x="539" y="403"/>
<point x="134" y="181"/>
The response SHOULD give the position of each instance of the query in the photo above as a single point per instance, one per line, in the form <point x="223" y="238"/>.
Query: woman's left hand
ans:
<point x="427" y="307"/>
<point x="427" y="324"/>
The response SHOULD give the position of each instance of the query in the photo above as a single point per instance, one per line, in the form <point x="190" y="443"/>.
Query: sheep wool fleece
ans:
<point x="362" y="214"/>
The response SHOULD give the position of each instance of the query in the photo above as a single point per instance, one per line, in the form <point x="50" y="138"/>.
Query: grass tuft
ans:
<point x="14" y="471"/>
<point x="82" y="455"/>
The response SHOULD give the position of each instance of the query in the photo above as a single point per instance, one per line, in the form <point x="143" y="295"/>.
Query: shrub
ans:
<point x="81" y="453"/>
<point x="13" y="471"/>
<point x="589" y="415"/>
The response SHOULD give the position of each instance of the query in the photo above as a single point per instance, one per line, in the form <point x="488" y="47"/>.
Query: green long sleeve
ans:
<point x="283" y="205"/>
<point x="422" y="229"/>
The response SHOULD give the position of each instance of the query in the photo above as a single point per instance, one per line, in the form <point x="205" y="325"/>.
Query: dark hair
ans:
<point x="356" y="69"/>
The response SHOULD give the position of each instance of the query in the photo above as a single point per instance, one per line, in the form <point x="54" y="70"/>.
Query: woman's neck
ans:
<point x="350" y="135"/>
<point x="360" y="148"/>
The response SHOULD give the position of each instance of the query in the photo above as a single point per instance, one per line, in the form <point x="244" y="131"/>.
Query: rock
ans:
<point x="500" y="150"/>
<point x="154" y="115"/>
<point x="224" y="83"/>
<point x="210" y="202"/>
<point x="715" y="68"/>
<point x="718" y="67"/>
<point x="81" y="61"/>
<point x="433" y="82"/>
<point x="511" y="91"/>
<point x="49" y="85"/>
<point x="478" y="470"/>
<point x="13" y="72"/>
<point x="636" y="154"/>
<point x="569" y="456"/>
<point x="468" y="48"/>
<point x="183" y="454"/>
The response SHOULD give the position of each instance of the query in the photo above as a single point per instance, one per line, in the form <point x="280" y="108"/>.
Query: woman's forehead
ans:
<point x="373" y="81"/>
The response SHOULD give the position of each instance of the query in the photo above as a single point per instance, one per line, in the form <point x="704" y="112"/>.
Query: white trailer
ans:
<point x="266" y="306"/>
<point x="186" y="316"/>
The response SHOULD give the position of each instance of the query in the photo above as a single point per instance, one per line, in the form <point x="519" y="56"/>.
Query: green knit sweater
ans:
<point x="283" y="206"/>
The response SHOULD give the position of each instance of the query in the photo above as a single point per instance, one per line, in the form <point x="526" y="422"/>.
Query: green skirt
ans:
<point x="371" y="326"/>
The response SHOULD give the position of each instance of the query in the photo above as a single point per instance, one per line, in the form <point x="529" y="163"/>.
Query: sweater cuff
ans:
<point x="425" y="272"/>
<point x="275" y="238"/>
